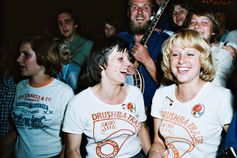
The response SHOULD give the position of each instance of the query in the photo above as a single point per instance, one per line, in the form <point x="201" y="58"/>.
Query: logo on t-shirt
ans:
<point x="198" y="110"/>
<point x="130" y="107"/>
<point x="112" y="129"/>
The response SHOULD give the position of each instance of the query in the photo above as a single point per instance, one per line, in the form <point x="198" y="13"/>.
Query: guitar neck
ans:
<point x="151" y="28"/>
<point x="153" y="22"/>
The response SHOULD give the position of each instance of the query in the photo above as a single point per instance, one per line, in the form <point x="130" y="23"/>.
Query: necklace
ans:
<point x="193" y="92"/>
<point x="184" y="100"/>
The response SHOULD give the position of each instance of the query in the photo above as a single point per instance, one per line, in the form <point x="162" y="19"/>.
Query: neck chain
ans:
<point x="184" y="100"/>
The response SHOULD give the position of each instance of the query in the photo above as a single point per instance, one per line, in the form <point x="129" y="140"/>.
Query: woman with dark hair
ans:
<point x="40" y="101"/>
<point x="111" y="27"/>
<point x="111" y="113"/>
<point x="180" y="11"/>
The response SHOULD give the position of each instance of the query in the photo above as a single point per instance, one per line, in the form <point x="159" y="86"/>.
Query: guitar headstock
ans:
<point x="153" y="22"/>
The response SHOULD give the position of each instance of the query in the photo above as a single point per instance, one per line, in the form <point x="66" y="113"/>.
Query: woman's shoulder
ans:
<point x="134" y="89"/>
<point x="22" y="83"/>
<point x="217" y="89"/>
<point x="61" y="84"/>
<point x="86" y="94"/>
<point x="166" y="88"/>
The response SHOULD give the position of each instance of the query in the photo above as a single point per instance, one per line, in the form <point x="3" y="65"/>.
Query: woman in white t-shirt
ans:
<point x="110" y="113"/>
<point x="190" y="114"/>
<point x="40" y="100"/>
<point x="203" y="20"/>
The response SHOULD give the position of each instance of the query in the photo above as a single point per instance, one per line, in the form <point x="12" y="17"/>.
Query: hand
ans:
<point x="131" y="70"/>
<point x="140" y="53"/>
<point x="231" y="49"/>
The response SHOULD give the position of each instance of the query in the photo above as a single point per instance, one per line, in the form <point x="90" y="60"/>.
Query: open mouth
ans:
<point x="140" y="17"/>
<point x="22" y="67"/>
<point x="124" y="71"/>
<point x="65" y="31"/>
<point x="183" y="69"/>
<point x="179" y="20"/>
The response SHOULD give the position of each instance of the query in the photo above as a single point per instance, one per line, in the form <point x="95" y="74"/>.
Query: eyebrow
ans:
<point x="67" y="19"/>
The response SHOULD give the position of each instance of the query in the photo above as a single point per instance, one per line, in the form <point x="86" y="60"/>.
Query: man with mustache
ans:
<point x="139" y="12"/>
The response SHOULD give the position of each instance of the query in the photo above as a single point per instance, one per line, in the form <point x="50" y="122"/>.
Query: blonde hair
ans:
<point x="187" y="38"/>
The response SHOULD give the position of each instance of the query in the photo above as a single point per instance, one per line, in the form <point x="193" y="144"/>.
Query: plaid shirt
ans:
<point x="7" y="94"/>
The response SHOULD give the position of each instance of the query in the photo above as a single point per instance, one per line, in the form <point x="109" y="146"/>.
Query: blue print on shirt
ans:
<point x="30" y="115"/>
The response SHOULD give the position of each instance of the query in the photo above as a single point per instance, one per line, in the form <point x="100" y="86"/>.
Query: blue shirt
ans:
<point x="70" y="74"/>
<point x="154" y="45"/>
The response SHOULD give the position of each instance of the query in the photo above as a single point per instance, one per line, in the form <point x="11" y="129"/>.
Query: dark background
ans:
<point x="26" y="17"/>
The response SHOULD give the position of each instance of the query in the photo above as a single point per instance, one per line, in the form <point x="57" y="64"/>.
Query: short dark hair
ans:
<point x="201" y="10"/>
<point x="184" y="4"/>
<point x="112" y="21"/>
<point x="99" y="56"/>
<point x="70" y="12"/>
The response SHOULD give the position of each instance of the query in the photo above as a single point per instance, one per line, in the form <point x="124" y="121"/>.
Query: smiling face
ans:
<point x="185" y="64"/>
<point x="27" y="61"/>
<point x="186" y="57"/>
<point x="140" y="13"/>
<point x="203" y="25"/>
<point x="179" y="15"/>
<point x="117" y="66"/>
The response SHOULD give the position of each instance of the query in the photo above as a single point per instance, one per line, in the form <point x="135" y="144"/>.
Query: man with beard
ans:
<point x="148" y="55"/>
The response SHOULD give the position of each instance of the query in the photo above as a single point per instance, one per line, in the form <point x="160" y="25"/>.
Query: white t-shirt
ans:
<point x="111" y="130"/>
<point x="193" y="129"/>
<point x="231" y="36"/>
<point x="224" y="63"/>
<point x="38" y="114"/>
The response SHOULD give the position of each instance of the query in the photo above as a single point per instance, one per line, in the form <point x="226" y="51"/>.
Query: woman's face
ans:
<point x="27" y="61"/>
<point x="185" y="64"/>
<point x="109" y="30"/>
<point x="179" y="15"/>
<point x="117" y="66"/>
<point x="203" y="25"/>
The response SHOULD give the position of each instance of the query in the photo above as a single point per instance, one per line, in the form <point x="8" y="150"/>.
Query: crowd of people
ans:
<point x="169" y="94"/>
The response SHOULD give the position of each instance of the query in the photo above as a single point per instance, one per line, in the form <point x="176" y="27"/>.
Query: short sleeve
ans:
<point x="226" y="112"/>
<point x="72" y="121"/>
